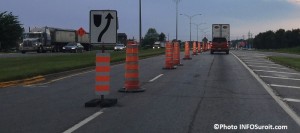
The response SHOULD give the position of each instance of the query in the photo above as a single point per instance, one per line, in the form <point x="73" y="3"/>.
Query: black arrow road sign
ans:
<point x="109" y="17"/>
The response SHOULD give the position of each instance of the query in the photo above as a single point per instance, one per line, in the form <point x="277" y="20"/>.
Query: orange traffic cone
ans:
<point x="187" y="51"/>
<point x="195" y="48"/>
<point x="169" y="56"/>
<point x="132" y="83"/>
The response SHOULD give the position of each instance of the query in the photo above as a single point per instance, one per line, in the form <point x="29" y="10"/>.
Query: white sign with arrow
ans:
<point x="103" y="27"/>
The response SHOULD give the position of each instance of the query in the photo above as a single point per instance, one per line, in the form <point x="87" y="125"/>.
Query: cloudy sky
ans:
<point x="243" y="15"/>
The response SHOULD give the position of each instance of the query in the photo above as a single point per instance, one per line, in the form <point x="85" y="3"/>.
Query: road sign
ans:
<point x="81" y="32"/>
<point x="103" y="27"/>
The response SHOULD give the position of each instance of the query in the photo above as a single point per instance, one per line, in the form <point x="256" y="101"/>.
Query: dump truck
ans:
<point x="51" y="39"/>
<point x="220" y="38"/>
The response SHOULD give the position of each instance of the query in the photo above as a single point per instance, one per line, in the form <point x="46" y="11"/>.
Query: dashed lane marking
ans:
<point x="155" y="78"/>
<point x="82" y="123"/>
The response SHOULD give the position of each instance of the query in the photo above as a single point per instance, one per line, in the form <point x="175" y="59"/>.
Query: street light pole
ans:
<point x="177" y="1"/>
<point x="140" y="23"/>
<point x="198" y="29"/>
<point x="190" y="17"/>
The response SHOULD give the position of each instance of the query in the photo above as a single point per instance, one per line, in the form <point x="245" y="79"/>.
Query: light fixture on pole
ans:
<point x="190" y="17"/>
<point x="198" y="29"/>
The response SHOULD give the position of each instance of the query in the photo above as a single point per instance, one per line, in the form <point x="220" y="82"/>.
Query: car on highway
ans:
<point x="119" y="47"/>
<point x="73" y="47"/>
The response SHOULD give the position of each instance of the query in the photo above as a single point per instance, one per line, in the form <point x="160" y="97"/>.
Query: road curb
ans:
<point x="26" y="81"/>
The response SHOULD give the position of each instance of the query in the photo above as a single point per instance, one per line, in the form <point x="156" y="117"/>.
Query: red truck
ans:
<point x="220" y="38"/>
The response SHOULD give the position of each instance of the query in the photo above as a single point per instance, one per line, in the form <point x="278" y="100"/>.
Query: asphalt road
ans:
<point x="208" y="92"/>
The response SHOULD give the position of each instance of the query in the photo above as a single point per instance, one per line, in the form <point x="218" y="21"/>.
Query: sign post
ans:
<point x="103" y="32"/>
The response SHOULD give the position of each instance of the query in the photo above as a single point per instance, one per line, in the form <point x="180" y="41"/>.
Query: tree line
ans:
<point x="10" y="31"/>
<point x="276" y="40"/>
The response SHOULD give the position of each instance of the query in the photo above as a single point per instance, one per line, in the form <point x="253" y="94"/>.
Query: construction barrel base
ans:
<point x="102" y="103"/>
<point x="169" y="68"/>
<point x="189" y="58"/>
<point x="131" y="90"/>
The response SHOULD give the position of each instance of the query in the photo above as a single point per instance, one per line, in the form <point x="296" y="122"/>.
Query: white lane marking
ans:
<point x="282" y="104"/>
<point x="278" y="77"/>
<point x="275" y="72"/>
<point x="269" y="67"/>
<point x="262" y="62"/>
<point x="85" y="121"/>
<point x="266" y="64"/>
<point x="291" y="100"/>
<point x="284" y="86"/>
<point x="156" y="78"/>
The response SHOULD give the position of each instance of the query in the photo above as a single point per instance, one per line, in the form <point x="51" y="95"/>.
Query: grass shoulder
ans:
<point x="287" y="61"/>
<point x="26" y="67"/>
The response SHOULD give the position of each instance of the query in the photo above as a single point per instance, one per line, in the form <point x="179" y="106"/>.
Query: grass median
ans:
<point x="26" y="67"/>
<point x="287" y="61"/>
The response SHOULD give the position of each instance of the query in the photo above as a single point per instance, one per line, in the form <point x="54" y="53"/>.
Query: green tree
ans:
<point x="162" y="37"/>
<point x="150" y="37"/>
<point x="10" y="31"/>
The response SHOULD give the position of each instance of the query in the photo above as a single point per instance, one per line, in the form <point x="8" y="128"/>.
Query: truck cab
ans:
<point x="219" y="44"/>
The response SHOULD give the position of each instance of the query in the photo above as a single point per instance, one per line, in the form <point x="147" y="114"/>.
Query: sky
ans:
<point x="243" y="15"/>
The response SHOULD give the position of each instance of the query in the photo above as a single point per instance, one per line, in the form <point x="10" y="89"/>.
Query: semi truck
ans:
<point x="220" y="38"/>
<point x="51" y="39"/>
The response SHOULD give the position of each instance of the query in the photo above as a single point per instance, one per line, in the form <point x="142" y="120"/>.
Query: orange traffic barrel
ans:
<point x="176" y="54"/>
<point x="102" y="73"/>
<point x="199" y="47"/>
<point x="187" y="51"/>
<point x="169" y="63"/>
<point x="132" y="83"/>
<point x="195" y="48"/>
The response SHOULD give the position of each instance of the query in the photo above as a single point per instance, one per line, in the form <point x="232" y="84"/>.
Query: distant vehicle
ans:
<point x="158" y="45"/>
<point x="119" y="47"/>
<point x="73" y="47"/>
<point x="51" y="39"/>
<point x="220" y="38"/>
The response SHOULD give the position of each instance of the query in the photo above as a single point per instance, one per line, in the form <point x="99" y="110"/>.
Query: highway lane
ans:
<point x="207" y="90"/>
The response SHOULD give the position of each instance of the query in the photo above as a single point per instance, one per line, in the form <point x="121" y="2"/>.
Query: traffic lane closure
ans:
<point x="166" y="106"/>
<point x="60" y="104"/>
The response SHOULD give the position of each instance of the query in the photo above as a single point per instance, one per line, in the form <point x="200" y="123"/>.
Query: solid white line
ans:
<point x="282" y="104"/>
<point x="291" y="100"/>
<point x="278" y="77"/>
<point x="285" y="86"/>
<point x="85" y="121"/>
<point x="275" y="72"/>
<point x="156" y="77"/>
<point x="269" y="67"/>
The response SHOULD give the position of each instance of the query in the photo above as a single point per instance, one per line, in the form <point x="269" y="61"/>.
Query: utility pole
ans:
<point x="177" y="1"/>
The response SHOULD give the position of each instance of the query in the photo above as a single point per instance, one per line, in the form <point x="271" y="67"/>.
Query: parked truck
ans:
<point x="220" y="38"/>
<point x="51" y="39"/>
